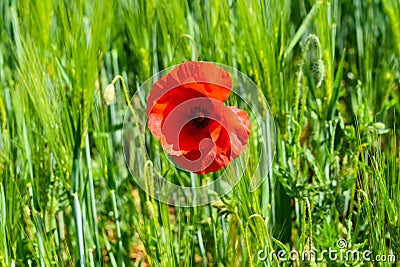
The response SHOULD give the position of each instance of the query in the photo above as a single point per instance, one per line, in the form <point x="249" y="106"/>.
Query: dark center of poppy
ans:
<point x="199" y="117"/>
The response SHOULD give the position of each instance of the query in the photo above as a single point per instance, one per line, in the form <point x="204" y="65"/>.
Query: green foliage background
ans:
<point x="329" y="69"/>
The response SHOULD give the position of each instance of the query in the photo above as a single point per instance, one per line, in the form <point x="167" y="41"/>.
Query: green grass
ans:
<point x="330" y="71"/>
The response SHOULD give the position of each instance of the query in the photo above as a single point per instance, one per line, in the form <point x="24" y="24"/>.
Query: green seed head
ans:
<point x="318" y="72"/>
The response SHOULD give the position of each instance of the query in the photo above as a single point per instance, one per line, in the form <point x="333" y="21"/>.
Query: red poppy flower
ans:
<point x="187" y="114"/>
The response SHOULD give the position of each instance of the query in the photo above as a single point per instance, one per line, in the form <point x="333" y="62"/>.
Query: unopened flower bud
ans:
<point x="109" y="94"/>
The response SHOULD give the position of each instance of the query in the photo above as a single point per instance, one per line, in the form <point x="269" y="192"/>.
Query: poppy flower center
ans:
<point x="199" y="116"/>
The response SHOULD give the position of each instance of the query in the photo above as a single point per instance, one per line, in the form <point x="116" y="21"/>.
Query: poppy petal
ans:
<point x="238" y="123"/>
<point x="203" y="77"/>
<point x="181" y="125"/>
<point x="162" y="108"/>
<point x="198" y="160"/>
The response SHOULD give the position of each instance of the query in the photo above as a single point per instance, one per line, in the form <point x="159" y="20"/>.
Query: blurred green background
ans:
<point x="329" y="70"/>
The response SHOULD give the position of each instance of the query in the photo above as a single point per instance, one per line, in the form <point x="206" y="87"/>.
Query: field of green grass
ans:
<point x="330" y="71"/>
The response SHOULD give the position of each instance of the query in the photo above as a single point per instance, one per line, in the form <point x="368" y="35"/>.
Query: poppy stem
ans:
<point x="195" y="54"/>
<point x="128" y="102"/>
